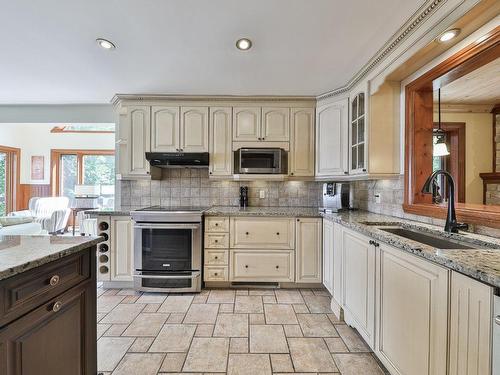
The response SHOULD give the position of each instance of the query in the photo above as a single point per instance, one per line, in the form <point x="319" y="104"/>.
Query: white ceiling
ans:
<point x="48" y="52"/>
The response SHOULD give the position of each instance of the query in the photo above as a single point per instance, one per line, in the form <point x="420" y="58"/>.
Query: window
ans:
<point x="84" y="128"/>
<point x="82" y="167"/>
<point x="9" y="178"/>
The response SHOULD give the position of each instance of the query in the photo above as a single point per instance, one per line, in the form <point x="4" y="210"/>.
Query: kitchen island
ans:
<point x="48" y="305"/>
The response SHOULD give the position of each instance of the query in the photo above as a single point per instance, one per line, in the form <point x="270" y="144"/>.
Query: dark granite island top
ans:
<point x="21" y="253"/>
<point x="481" y="263"/>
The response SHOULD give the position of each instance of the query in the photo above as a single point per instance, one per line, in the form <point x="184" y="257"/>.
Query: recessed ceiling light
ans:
<point x="448" y="35"/>
<point x="106" y="44"/>
<point x="244" y="44"/>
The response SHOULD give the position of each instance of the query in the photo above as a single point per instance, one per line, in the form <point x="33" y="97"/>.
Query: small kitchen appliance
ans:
<point x="335" y="197"/>
<point x="260" y="161"/>
<point x="244" y="196"/>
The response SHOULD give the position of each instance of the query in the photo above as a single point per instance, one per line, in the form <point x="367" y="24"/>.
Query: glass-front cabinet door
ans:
<point x="358" y="135"/>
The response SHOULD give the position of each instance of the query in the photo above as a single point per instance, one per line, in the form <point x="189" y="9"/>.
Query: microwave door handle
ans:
<point x="194" y="275"/>
<point x="166" y="226"/>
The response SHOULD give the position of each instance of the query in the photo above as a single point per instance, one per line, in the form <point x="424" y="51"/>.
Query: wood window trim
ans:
<point x="418" y="131"/>
<point x="55" y="160"/>
<point x="14" y="177"/>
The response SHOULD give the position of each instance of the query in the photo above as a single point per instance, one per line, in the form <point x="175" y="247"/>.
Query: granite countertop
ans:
<point x="482" y="264"/>
<point x="22" y="253"/>
<point x="263" y="211"/>
<point x="117" y="211"/>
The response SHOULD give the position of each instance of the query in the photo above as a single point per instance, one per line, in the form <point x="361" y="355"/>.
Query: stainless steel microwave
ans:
<point x="260" y="161"/>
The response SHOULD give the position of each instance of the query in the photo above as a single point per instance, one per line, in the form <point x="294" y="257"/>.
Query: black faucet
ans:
<point x="451" y="220"/>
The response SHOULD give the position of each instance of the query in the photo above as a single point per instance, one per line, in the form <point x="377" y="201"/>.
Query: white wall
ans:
<point x="35" y="139"/>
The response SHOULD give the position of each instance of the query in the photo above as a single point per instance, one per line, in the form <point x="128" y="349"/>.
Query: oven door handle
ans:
<point x="167" y="226"/>
<point x="194" y="275"/>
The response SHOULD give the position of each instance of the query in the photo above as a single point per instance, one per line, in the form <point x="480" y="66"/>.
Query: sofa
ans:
<point x="52" y="213"/>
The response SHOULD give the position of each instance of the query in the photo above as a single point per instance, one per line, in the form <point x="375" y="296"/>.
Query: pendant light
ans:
<point x="439" y="148"/>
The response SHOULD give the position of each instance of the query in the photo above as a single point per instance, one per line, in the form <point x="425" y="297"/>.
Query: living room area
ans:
<point x="55" y="161"/>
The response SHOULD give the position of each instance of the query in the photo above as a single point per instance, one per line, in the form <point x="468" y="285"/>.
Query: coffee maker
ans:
<point x="335" y="197"/>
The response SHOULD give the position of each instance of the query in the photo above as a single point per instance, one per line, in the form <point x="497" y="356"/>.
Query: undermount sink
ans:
<point x="427" y="239"/>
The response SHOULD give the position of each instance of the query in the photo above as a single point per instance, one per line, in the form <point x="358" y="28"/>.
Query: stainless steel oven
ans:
<point x="260" y="160"/>
<point x="167" y="250"/>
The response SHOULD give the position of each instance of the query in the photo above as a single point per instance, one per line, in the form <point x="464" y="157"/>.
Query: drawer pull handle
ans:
<point x="497" y="319"/>
<point x="57" y="306"/>
<point x="54" y="280"/>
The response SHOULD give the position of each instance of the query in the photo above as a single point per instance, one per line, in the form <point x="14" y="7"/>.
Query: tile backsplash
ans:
<point x="192" y="187"/>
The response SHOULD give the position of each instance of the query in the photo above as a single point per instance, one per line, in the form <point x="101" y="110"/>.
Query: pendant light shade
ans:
<point x="439" y="147"/>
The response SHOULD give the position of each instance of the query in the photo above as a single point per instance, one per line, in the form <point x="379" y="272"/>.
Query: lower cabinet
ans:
<point x="262" y="265"/>
<point x="470" y="338"/>
<point x="51" y="327"/>
<point x="122" y="248"/>
<point x="358" y="283"/>
<point x="413" y="314"/>
<point x="328" y="255"/>
<point x="308" y="243"/>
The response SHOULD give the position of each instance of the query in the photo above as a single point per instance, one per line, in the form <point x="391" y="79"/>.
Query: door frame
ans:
<point x="13" y="177"/>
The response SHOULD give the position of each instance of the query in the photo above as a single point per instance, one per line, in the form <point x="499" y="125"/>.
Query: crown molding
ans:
<point x="426" y="10"/>
<point x="210" y="98"/>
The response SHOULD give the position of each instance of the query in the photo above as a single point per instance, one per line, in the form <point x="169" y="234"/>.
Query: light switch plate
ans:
<point x="262" y="194"/>
<point x="378" y="198"/>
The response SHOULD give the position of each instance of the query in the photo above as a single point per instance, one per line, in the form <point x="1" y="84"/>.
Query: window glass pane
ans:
<point x="68" y="175"/>
<point x="354" y="113"/>
<point x="361" y="104"/>
<point x="3" y="184"/>
<point x="361" y="130"/>
<point x="354" y="157"/>
<point x="361" y="156"/>
<point x="98" y="170"/>
<point x="354" y="133"/>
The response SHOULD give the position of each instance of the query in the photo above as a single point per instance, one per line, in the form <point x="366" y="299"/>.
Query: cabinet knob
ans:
<point x="54" y="280"/>
<point x="263" y="138"/>
<point x="345" y="172"/>
<point x="277" y="267"/>
<point x="57" y="306"/>
<point x="216" y="274"/>
<point x="246" y="265"/>
<point x="209" y="172"/>
<point x="291" y="174"/>
<point x="364" y="169"/>
<point x="216" y="257"/>
<point x="216" y="241"/>
<point x="277" y="233"/>
<point x="216" y="224"/>
<point x="298" y="219"/>
<point x="247" y="233"/>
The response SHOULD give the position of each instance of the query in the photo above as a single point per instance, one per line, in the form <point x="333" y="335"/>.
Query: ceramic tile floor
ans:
<point x="237" y="332"/>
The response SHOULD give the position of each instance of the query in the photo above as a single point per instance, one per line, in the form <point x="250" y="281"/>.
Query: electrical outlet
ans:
<point x="262" y="194"/>
<point x="378" y="198"/>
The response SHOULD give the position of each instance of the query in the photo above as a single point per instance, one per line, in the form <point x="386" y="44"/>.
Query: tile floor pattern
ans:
<point x="236" y="332"/>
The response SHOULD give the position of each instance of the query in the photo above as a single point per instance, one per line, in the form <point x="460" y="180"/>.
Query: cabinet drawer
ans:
<point x="262" y="233"/>
<point x="217" y="224"/>
<point x="29" y="290"/>
<point x="215" y="274"/>
<point x="216" y="257"/>
<point x="217" y="240"/>
<point x="249" y="265"/>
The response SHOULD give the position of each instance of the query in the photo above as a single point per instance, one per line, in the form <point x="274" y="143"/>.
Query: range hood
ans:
<point x="178" y="159"/>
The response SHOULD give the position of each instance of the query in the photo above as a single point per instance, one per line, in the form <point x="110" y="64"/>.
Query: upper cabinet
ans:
<point x="301" y="142"/>
<point x="246" y="124"/>
<point x="179" y="129"/>
<point x="332" y="139"/>
<point x="275" y="124"/>
<point x="138" y="122"/>
<point x="357" y="130"/>
<point x="164" y="129"/>
<point x="194" y="129"/>
<point x="220" y="141"/>
<point x="258" y="124"/>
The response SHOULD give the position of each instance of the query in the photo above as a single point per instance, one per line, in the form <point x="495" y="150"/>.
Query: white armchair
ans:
<point x="51" y="212"/>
